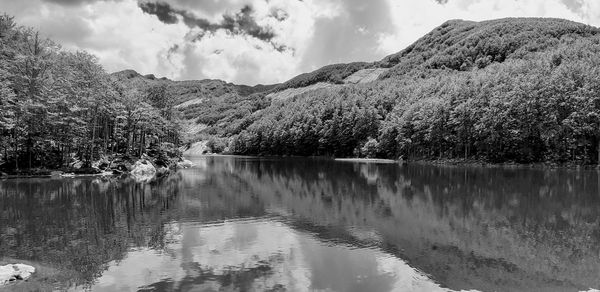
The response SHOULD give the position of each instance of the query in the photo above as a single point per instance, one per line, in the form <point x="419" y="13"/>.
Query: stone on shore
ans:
<point x="143" y="171"/>
<point x="15" y="272"/>
<point x="143" y="167"/>
<point x="56" y="173"/>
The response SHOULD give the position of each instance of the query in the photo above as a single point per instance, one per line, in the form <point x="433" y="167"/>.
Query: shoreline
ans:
<point x="369" y="160"/>
<point x="437" y="162"/>
<point x="77" y="173"/>
<point x="62" y="175"/>
<point x="146" y="167"/>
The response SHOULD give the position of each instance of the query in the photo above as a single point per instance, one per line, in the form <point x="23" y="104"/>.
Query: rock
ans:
<point x="15" y="272"/>
<point x="185" y="164"/>
<point x="143" y="167"/>
<point x="56" y="173"/>
<point x="143" y="170"/>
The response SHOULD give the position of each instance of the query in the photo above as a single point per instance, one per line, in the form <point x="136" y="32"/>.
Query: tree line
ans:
<point x="541" y="107"/>
<point x="58" y="105"/>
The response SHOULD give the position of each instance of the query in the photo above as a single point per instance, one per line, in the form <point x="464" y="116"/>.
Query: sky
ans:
<point x="259" y="41"/>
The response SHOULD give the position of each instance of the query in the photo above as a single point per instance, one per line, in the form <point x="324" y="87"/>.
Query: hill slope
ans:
<point x="463" y="45"/>
<point x="517" y="89"/>
<point x="200" y="103"/>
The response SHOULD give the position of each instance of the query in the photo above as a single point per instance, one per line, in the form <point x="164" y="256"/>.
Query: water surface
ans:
<point x="250" y="224"/>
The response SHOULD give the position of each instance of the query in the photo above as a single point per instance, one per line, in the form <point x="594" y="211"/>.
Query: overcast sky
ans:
<point x="259" y="41"/>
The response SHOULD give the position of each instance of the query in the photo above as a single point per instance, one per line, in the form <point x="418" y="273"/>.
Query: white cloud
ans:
<point x="315" y="32"/>
<point x="240" y="58"/>
<point x="119" y="33"/>
<point x="124" y="37"/>
<point x="243" y="59"/>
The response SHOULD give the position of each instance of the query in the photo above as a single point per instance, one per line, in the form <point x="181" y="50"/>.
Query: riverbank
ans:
<point x="44" y="172"/>
<point x="511" y="165"/>
<point x="145" y="166"/>
<point x="368" y="160"/>
<point x="437" y="162"/>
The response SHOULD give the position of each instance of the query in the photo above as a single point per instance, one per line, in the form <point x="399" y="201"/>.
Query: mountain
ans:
<point x="516" y="89"/>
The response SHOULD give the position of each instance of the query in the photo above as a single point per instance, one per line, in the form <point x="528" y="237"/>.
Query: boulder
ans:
<point x="143" y="167"/>
<point x="143" y="171"/>
<point x="15" y="272"/>
<point x="56" y="173"/>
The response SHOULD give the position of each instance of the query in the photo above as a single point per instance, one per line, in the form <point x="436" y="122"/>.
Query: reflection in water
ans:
<point x="247" y="224"/>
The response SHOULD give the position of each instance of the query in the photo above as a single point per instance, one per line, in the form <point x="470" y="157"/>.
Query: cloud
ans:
<point x="118" y="32"/>
<point x="239" y="24"/>
<point x="75" y="2"/>
<point x="228" y="57"/>
<point x="259" y="41"/>
<point x="349" y="36"/>
<point x="163" y="11"/>
<point x="251" y="42"/>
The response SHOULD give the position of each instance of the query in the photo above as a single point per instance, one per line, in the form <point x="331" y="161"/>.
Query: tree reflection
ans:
<point x="483" y="228"/>
<point x="81" y="224"/>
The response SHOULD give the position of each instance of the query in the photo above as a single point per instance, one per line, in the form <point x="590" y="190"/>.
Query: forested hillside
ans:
<point x="59" y="106"/>
<point x="206" y="107"/>
<point x="508" y="90"/>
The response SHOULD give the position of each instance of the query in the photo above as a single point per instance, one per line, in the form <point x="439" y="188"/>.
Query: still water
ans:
<point x="250" y="224"/>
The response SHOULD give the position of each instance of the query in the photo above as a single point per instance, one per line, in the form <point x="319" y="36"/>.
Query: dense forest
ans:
<point x="59" y="106"/>
<point x="509" y="90"/>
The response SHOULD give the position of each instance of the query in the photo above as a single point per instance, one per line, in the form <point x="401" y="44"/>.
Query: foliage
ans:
<point x="536" y="100"/>
<point x="464" y="45"/>
<point x="216" y="145"/>
<point x="55" y="102"/>
<point x="370" y="148"/>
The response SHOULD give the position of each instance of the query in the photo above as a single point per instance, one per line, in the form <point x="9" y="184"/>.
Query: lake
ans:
<point x="256" y="224"/>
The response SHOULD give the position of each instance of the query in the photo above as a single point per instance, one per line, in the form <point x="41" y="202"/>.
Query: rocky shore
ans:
<point x="13" y="273"/>
<point x="144" y="168"/>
